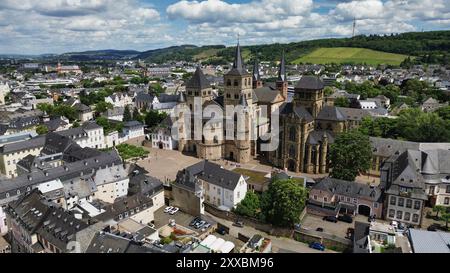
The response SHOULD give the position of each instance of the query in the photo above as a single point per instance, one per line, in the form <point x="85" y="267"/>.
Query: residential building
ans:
<point x="423" y="241"/>
<point x="405" y="190"/>
<point x="119" y="99"/>
<point x="133" y="129"/>
<point x="257" y="244"/>
<point x="219" y="187"/>
<point x="161" y="135"/>
<point x="114" y="114"/>
<point x="84" y="112"/>
<point x="330" y="196"/>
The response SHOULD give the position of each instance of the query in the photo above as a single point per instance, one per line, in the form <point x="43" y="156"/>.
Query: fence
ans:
<point x="329" y="241"/>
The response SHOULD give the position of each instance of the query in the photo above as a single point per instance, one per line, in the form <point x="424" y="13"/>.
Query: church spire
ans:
<point x="238" y="63"/>
<point x="256" y="76"/>
<point x="282" y="69"/>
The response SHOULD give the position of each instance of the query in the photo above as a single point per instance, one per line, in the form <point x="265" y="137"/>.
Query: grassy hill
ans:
<point x="346" y="55"/>
<point x="425" y="47"/>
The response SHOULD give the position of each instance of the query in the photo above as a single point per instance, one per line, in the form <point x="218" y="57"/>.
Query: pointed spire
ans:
<point x="243" y="101"/>
<point x="238" y="64"/>
<point x="181" y="97"/>
<point x="256" y="76"/>
<point x="282" y="69"/>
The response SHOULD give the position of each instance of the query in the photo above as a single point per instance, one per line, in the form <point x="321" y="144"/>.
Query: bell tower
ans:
<point x="282" y="84"/>
<point x="238" y="82"/>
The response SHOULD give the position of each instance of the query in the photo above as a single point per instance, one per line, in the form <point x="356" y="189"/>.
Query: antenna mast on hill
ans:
<point x="354" y="26"/>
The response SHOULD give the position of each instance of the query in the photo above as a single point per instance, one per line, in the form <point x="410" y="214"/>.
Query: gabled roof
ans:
<point x="349" y="188"/>
<point x="198" y="80"/>
<point x="209" y="172"/>
<point x="266" y="94"/>
<point x="310" y="83"/>
<point x="331" y="113"/>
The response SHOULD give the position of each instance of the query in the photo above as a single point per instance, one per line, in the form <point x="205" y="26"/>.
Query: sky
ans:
<point x="58" y="26"/>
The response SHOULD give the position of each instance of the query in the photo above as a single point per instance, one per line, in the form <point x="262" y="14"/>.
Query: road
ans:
<point x="279" y="244"/>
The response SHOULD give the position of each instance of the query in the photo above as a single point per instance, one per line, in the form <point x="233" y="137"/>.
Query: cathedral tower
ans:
<point x="237" y="81"/>
<point x="282" y="84"/>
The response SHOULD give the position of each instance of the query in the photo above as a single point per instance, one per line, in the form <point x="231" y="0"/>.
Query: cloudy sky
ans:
<point x="57" y="26"/>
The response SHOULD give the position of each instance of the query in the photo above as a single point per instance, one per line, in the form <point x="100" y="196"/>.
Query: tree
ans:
<point x="41" y="129"/>
<point x="127" y="114"/>
<point x="445" y="216"/>
<point x="341" y="102"/>
<point x="283" y="202"/>
<point x="136" y="113"/>
<point x="415" y="125"/>
<point x="249" y="206"/>
<point x="350" y="154"/>
<point x="102" y="106"/>
<point x="439" y="209"/>
<point x="153" y="118"/>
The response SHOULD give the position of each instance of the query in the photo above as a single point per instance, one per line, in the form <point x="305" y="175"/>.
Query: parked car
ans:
<point x="172" y="223"/>
<point x="317" y="245"/>
<point x="221" y="231"/>
<point x="319" y="229"/>
<point x="350" y="232"/>
<point x="194" y="221"/>
<point x="151" y="225"/>
<point x="394" y="224"/>
<point x="206" y="226"/>
<point x="345" y="218"/>
<point x="167" y="209"/>
<point x="238" y="224"/>
<point x="297" y="226"/>
<point x="199" y="224"/>
<point x="330" y="219"/>
<point x="174" y="210"/>
<point x="434" y="227"/>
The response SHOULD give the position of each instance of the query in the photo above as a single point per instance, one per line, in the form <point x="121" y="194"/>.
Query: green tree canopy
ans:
<point x="341" y="102"/>
<point x="41" y="129"/>
<point x="249" y="206"/>
<point x="102" y="106"/>
<point x="415" y="125"/>
<point x="283" y="202"/>
<point x="127" y="114"/>
<point x="350" y="154"/>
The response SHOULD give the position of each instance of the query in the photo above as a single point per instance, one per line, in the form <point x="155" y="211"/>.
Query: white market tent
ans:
<point x="208" y="241"/>
<point x="227" y="247"/>
<point x="217" y="244"/>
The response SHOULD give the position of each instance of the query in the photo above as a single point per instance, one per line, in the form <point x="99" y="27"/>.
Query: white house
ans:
<point x="221" y="188"/>
<point x="119" y="99"/>
<point x="133" y="129"/>
<point x="161" y="136"/>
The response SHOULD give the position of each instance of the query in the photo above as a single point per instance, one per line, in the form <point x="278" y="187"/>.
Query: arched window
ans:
<point x="236" y="83"/>
<point x="216" y="140"/>
<point x="292" y="151"/>
<point x="203" y="139"/>
<point x="292" y="134"/>
<point x="228" y="82"/>
<point x="245" y="82"/>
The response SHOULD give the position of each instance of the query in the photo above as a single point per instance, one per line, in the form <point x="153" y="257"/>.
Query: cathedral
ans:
<point x="307" y="125"/>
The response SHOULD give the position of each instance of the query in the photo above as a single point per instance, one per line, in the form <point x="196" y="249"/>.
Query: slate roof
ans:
<point x="38" y="216"/>
<point x="361" y="233"/>
<point x="300" y="111"/>
<point x="310" y="83"/>
<point x="145" y="97"/>
<point x="33" y="143"/>
<point x="144" y="184"/>
<point x="132" y="123"/>
<point x="282" y="70"/>
<point x="54" y="124"/>
<point x="331" y="113"/>
<point x="348" y="188"/>
<point x="123" y="205"/>
<point x="209" y="172"/>
<point x="316" y="137"/>
<point x="265" y="94"/>
<point x="353" y="113"/>
<point x="238" y="68"/>
<point x="82" y="108"/>
<point x="198" y="80"/>
<point x="423" y="241"/>
<point x="108" y="243"/>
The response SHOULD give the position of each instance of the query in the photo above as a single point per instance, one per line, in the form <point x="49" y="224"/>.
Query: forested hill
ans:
<point x="425" y="47"/>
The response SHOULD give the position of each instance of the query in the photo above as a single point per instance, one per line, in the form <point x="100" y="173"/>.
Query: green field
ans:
<point x="343" y="55"/>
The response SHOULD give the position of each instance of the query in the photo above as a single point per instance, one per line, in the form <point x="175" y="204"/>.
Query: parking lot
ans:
<point x="181" y="218"/>
<point x="339" y="229"/>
